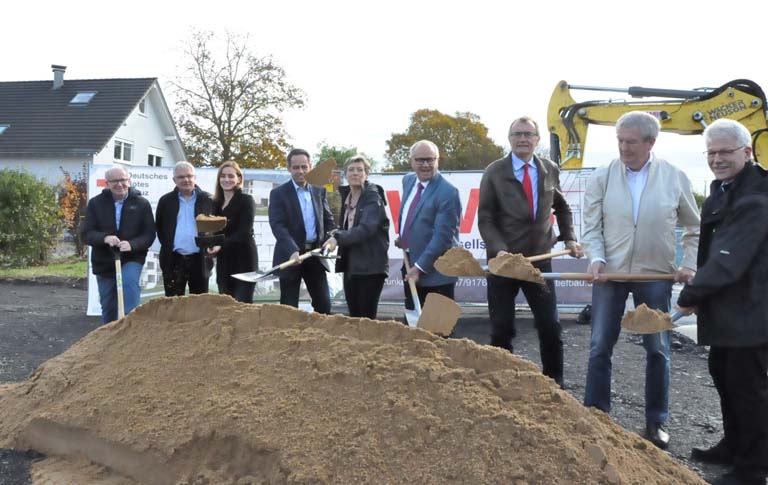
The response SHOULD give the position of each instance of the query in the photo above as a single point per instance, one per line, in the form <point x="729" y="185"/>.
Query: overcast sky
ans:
<point x="366" y="66"/>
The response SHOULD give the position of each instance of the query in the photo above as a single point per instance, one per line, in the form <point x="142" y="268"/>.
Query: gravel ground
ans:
<point x="39" y="320"/>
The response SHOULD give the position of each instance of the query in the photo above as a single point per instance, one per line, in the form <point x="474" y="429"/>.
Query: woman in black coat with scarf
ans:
<point x="238" y="252"/>
<point x="363" y="239"/>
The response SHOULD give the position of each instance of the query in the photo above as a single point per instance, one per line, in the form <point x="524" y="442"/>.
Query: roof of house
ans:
<point x="42" y="120"/>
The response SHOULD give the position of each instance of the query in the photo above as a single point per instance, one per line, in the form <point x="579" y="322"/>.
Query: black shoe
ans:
<point x="656" y="434"/>
<point x="716" y="455"/>
<point x="738" y="478"/>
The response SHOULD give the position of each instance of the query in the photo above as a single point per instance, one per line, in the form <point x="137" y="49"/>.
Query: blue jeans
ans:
<point x="108" y="291"/>
<point x="608" y="304"/>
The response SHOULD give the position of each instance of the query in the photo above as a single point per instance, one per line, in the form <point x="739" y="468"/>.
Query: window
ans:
<point x="143" y="107"/>
<point x="83" y="97"/>
<point x="3" y="128"/>
<point x="123" y="150"/>
<point x="154" y="160"/>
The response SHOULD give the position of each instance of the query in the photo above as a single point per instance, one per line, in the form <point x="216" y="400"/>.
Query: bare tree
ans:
<point x="230" y="103"/>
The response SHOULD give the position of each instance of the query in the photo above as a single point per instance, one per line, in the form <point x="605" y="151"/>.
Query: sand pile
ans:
<point x="646" y="320"/>
<point x="202" y="389"/>
<point x="458" y="261"/>
<point x="514" y="266"/>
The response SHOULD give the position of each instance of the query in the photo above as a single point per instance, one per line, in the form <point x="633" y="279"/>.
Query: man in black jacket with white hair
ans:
<point x="730" y="295"/>
<point x="119" y="219"/>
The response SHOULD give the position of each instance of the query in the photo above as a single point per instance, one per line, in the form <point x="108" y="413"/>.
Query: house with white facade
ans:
<point x="74" y="124"/>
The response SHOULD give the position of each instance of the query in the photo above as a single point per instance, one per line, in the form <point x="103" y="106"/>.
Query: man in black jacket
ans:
<point x="729" y="295"/>
<point x="181" y="260"/>
<point x="118" y="220"/>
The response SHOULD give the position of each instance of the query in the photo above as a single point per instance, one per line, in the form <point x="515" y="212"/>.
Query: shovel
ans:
<point x="119" y="282"/>
<point x="254" y="276"/>
<point x="412" y="316"/>
<point x="644" y="320"/>
<point x="439" y="314"/>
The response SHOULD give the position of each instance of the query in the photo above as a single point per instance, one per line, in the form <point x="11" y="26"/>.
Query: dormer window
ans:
<point x="83" y="98"/>
<point x="3" y="128"/>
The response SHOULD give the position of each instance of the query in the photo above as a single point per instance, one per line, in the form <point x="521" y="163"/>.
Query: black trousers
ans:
<point x="423" y="291"/>
<point x="239" y="290"/>
<point x="741" y="379"/>
<point x="313" y="273"/>
<point x="362" y="293"/>
<point x="185" y="270"/>
<point x="543" y="303"/>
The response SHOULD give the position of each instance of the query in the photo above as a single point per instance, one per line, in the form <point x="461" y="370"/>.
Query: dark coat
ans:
<point x="503" y="216"/>
<point x="166" y="217"/>
<point x="136" y="226"/>
<point x="238" y="251"/>
<point x="730" y="288"/>
<point x="363" y="249"/>
<point x="287" y="223"/>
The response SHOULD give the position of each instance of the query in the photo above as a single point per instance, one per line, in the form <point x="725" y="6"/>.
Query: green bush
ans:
<point x="29" y="218"/>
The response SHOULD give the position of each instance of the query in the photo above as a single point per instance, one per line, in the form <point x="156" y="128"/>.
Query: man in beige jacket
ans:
<point x="631" y="210"/>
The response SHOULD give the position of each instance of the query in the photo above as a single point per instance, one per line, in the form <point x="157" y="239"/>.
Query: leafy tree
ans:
<point x="230" y="103"/>
<point x="73" y="198"/>
<point x="462" y="139"/>
<point x="29" y="218"/>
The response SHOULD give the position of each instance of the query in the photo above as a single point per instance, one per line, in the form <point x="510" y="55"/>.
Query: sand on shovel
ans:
<point x="206" y="223"/>
<point x="458" y="261"/>
<point x="202" y="389"/>
<point x="512" y="265"/>
<point x="646" y="320"/>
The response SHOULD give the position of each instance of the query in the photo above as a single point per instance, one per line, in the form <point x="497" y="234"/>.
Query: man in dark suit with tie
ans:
<point x="301" y="221"/>
<point x="517" y="196"/>
<point x="428" y="222"/>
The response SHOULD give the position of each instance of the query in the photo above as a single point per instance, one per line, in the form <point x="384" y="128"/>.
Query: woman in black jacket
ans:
<point x="363" y="239"/>
<point x="238" y="252"/>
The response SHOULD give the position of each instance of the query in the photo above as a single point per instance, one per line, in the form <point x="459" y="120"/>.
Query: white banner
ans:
<point x="153" y="182"/>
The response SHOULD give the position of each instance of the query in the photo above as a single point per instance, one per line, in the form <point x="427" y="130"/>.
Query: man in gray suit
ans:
<point x="518" y="195"/>
<point x="428" y="222"/>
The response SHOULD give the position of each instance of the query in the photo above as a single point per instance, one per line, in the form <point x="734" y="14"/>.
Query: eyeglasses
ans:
<point x="523" y="134"/>
<point x="425" y="161"/>
<point x="117" y="181"/>
<point x="722" y="153"/>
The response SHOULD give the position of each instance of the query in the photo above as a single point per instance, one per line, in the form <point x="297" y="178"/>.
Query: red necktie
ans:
<point x="528" y="189"/>
<point x="409" y="217"/>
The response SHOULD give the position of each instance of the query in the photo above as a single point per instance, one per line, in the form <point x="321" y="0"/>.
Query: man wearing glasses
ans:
<point x="631" y="210"/>
<point x="518" y="195"/>
<point x="728" y="294"/>
<point x="118" y="219"/>
<point x="428" y="223"/>
<point x="181" y="260"/>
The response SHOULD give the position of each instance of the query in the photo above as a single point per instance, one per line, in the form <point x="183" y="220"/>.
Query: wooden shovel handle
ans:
<point x="293" y="262"/>
<point x="610" y="276"/>
<point x="542" y="257"/>
<point x="412" y="284"/>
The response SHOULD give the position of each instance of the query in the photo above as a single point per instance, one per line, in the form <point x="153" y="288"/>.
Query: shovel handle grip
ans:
<point x="542" y="257"/>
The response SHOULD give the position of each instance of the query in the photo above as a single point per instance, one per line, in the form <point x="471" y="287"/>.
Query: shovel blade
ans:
<point x="439" y="314"/>
<point x="253" y="276"/>
<point x="412" y="318"/>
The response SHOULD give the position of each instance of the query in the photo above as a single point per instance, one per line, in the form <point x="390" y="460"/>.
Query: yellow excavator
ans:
<point x="678" y="111"/>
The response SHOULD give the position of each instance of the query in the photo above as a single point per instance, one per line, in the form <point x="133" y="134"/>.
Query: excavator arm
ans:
<point x="682" y="112"/>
